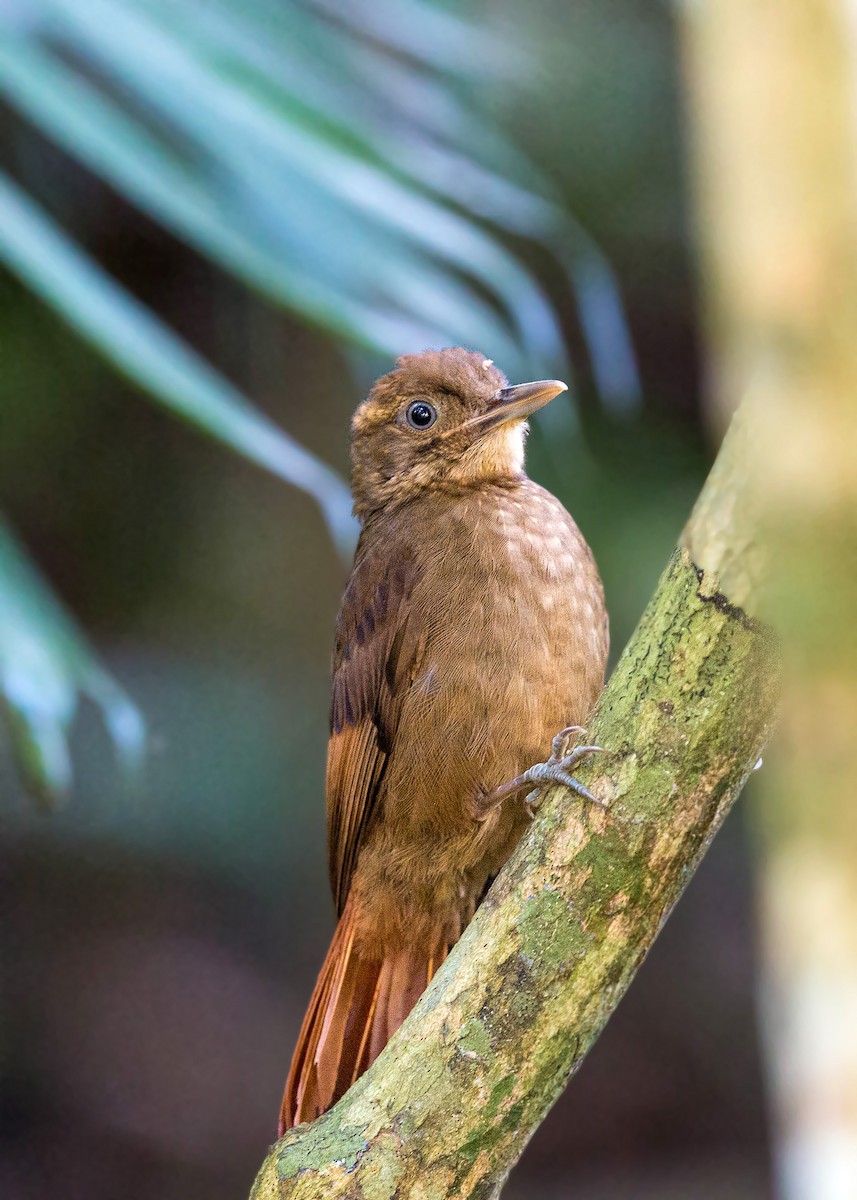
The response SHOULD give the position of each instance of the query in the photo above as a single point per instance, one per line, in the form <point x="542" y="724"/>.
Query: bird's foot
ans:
<point x="557" y="770"/>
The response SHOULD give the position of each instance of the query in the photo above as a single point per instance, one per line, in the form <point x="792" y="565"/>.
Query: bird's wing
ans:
<point x="380" y="642"/>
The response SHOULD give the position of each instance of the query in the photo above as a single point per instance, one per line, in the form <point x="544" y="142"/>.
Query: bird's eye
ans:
<point x="420" y="415"/>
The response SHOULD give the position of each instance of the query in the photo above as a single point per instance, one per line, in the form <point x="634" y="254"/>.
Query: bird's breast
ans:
<point x="513" y="558"/>
<point x="517" y="630"/>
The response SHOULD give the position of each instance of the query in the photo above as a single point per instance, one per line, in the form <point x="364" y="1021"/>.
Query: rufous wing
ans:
<point x="380" y="641"/>
<point x="360" y="1001"/>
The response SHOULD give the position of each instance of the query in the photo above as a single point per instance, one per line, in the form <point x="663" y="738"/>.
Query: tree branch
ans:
<point x="449" y="1106"/>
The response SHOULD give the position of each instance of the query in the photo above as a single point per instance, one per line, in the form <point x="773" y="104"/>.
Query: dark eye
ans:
<point x="420" y="415"/>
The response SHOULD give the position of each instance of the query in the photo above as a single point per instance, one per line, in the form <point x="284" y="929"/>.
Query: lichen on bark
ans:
<point x="450" y="1104"/>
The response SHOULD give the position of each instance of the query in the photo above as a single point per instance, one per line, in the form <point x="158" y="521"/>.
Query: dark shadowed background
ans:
<point x="160" y="933"/>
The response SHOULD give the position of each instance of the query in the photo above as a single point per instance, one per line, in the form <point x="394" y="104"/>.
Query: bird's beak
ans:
<point x="516" y="403"/>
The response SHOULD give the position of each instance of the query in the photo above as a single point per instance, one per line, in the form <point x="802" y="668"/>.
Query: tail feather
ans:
<point x="356" y="1007"/>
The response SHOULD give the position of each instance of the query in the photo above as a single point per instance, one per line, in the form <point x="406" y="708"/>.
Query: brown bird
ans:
<point x="473" y="628"/>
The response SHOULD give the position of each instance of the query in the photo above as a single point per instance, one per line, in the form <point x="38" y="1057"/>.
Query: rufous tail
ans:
<point x="356" y="1007"/>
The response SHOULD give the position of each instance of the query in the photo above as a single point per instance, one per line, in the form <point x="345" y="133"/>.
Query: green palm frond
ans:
<point x="153" y="357"/>
<point x="45" y="665"/>
<point x="339" y="181"/>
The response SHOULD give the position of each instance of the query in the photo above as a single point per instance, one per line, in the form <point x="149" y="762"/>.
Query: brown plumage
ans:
<point x="472" y="629"/>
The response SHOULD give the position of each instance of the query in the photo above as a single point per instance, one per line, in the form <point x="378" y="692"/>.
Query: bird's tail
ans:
<point x="356" y="1007"/>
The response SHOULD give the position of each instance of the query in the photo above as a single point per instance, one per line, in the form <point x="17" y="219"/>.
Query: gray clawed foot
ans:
<point x="557" y="770"/>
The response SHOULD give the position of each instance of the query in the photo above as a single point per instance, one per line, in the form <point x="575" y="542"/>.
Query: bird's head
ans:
<point x="441" y="419"/>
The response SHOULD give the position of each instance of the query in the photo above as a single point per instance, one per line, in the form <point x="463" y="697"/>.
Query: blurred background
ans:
<point x="219" y="221"/>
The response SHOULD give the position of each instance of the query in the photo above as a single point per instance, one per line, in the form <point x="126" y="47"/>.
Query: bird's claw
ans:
<point x="557" y="770"/>
<point x="559" y="745"/>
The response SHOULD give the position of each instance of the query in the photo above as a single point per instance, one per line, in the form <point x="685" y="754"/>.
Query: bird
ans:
<point x="472" y="629"/>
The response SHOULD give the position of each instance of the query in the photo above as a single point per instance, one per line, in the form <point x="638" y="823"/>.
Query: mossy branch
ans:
<point x="453" y="1100"/>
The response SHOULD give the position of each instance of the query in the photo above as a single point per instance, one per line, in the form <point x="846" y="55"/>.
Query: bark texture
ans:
<point x="452" y="1101"/>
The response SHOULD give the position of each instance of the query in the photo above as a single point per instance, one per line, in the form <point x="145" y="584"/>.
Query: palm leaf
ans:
<point x="272" y="141"/>
<point x="44" y="662"/>
<point x="45" y="665"/>
<point x="153" y="357"/>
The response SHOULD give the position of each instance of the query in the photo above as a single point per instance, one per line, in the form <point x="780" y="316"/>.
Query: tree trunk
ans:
<point x="773" y="90"/>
